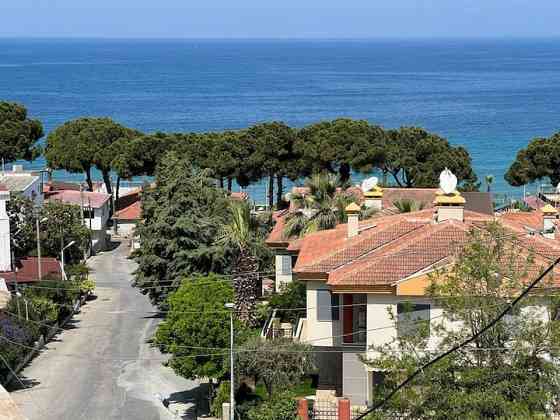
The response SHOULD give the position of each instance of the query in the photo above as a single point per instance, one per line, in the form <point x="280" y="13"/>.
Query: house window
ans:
<point x="286" y="267"/>
<point x="335" y="307"/>
<point x="413" y="319"/>
<point x="324" y="305"/>
<point x="89" y="213"/>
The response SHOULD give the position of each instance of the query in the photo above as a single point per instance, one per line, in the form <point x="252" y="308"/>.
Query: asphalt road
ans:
<point x="100" y="366"/>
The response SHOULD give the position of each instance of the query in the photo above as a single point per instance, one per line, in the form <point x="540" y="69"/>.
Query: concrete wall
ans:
<point x="355" y="379"/>
<point x="319" y="333"/>
<point x="99" y="221"/>
<point x="283" y="276"/>
<point x="126" y="229"/>
<point x="35" y="192"/>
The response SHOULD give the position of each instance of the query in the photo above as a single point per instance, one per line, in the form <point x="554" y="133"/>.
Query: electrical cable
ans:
<point x="457" y="347"/>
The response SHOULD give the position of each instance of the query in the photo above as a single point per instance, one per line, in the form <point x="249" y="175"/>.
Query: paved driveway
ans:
<point x="101" y="367"/>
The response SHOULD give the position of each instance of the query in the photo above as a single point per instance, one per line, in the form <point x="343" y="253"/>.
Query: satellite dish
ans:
<point x="447" y="181"/>
<point x="369" y="183"/>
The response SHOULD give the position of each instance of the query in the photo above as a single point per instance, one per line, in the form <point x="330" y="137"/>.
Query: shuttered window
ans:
<point x="286" y="267"/>
<point x="324" y="305"/>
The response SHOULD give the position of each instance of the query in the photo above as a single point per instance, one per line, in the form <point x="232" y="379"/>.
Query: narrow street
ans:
<point x="101" y="366"/>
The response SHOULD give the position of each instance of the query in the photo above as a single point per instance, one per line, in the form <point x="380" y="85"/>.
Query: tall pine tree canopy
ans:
<point x="18" y="134"/>
<point x="182" y="216"/>
<point x="540" y="159"/>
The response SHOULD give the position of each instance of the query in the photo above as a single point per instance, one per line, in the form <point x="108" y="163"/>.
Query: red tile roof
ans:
<point x="239" y="196"/>
<point x="392" y="248"/>
<point x="87" y="198"/>
<point x="478" y="202"/>
<point x="27" y="270"/>
<point x="132" y="212"/>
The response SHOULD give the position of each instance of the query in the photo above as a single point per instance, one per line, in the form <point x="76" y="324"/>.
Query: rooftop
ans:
<point x="88" y="199"/>
<point x="479" y="202"/>
<point x="17" y="182"/>
<point x="27" y="270"/>
<point x="392" y="248"/>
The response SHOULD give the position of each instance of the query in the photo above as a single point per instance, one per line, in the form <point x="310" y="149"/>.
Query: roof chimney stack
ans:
<point x="550" y="214"/>
<point x="5" y="249"/>
<point x="353" y="213"/>
<point x="374" y="198"/>
<point x="450" y="204"/>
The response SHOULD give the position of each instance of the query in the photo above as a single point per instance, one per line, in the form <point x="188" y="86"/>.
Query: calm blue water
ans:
<point x="490" y="96"/>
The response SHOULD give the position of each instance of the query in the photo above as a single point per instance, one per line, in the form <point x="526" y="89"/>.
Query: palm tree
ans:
<point x="489" y="180"/>
<point x="240" y="238"/>
<point x="407" y="205"/>
<point x="321" y="208"/>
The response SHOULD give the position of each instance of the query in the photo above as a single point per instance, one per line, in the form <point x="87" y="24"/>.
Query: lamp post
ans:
<point x="38" y="229"/>
<point x="231" y="306"/>
<point x="62" y="258"/>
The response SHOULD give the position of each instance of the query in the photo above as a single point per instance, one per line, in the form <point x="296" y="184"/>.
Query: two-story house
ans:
<point x="358" y="271"/>
<point x="96" y="209"/>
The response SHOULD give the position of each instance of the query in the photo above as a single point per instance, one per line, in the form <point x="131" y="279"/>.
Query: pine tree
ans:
<point x="182" y="216"/>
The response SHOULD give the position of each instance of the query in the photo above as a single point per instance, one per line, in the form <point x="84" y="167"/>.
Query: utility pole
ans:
<point x="39" y="267"/>
<point x="231" y="306"/>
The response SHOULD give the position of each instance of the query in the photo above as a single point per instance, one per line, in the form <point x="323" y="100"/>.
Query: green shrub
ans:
<point x="281" y="407"/>
<point x="222" y="396"/>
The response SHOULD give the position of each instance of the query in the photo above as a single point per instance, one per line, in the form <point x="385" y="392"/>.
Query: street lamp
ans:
<point x="231" y="306"/>
<point x="62" y="258"/>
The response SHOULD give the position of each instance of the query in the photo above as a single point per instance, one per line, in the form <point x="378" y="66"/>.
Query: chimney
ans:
<point x="353" y="213"/>
<point x="450" y="206"/>
<point x="550" y="214"/>
<point x="374" y="198"/>
<point x="5" y="249"/>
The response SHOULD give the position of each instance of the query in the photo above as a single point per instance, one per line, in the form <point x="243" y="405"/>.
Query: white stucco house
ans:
<point x="28" y="184"/>
<point x="96" y="209"/>
<point x="355" y="273"/>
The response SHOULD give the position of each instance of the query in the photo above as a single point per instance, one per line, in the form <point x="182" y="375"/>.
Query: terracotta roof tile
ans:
<point x="96" y="200"/>
<point x="28" y="270"/>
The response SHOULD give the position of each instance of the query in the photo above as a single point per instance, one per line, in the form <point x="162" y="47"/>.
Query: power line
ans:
<point x="462" y="344"/>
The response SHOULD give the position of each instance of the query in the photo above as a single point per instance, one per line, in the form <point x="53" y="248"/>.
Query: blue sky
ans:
<point x="280" y="19"/>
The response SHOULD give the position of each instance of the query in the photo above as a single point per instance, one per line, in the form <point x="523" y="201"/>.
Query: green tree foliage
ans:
<point x="63" y="225"/>
<point x="196" y="323"/>
<point x="240" y="238"/>
<point x="182" y="217"/>
<point x="279" y="363"/>
<point x="18" y="134"/>
<point x="335" y="146"/>
<point x="415" y="158"/>
<point x="282" y="407"/>
<point x="291" y="296"/>
<point x="273" y="154"/>
<point x="322" y="207"/>
<point x="82" y="144"/>
<point x="407" y="205"/>
<point x="540" y="159"/>
<point x="509" y="372"/>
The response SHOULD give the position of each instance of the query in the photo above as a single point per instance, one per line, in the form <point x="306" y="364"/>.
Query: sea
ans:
<point x="491" y="96"/>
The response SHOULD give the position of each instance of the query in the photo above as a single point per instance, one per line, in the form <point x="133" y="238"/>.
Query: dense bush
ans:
<point x="281" y="407"/>
<point x="292" y="296"/>
<point x="222" y="396"/>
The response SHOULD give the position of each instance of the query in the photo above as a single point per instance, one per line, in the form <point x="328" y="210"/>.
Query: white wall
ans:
<point x="319" y="333"/>
<point x="283" y="277"/>
<point x="99" y="221"/>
